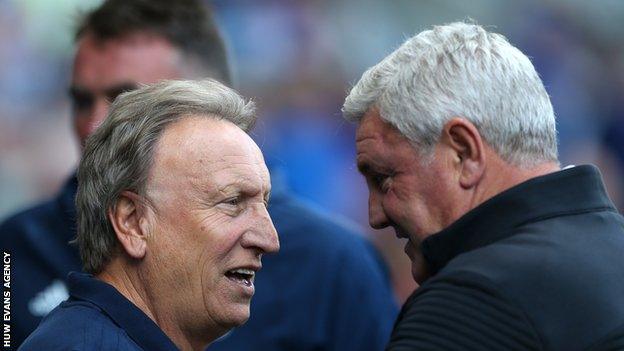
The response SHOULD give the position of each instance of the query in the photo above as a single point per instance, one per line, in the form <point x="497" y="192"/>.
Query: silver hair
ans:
<point x="461" y="70"/>
<point x="119" y="154"/>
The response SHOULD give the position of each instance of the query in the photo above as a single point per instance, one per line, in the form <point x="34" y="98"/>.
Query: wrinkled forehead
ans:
<point x="373" y="128"/>
<point x="211" y="151"/>
<point x="244" y="172"/>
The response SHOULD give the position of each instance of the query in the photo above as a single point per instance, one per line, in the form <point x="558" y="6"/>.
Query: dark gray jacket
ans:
<point x="537" y="267"/>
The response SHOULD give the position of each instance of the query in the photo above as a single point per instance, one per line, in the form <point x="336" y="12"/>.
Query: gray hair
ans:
<point x="461" y="70"/>
<point x="119" y="154"/>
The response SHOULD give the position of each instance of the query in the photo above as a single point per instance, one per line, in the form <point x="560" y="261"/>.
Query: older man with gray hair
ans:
<point x="172" y="224"/>
<point x="457" y="141"/>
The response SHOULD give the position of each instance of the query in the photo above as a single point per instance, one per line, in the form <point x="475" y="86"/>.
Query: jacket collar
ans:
<point x="123" y="312"/>
<point x="65" y="201"/>
<point x="573" y="190"/>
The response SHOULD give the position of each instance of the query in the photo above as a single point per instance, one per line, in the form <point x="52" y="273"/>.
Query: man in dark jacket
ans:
<point x="457" y="142"/>
<point x="172" y="223"/>
<point x="308" y="297"/>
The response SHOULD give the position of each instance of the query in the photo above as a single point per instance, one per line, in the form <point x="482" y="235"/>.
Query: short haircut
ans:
<point x="119" y="154"/>
<point x="461" y="70"/>
<point x="187" y="24"/>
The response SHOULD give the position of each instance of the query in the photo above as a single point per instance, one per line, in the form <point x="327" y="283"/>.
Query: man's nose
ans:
<point x="263" y="235"/>
<point x="376" y="215"/>
<point x="98" y="114"/>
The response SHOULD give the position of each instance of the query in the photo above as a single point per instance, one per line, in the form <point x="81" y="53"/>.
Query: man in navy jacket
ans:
<point x="172" y="224"/>
<point x="326" y="289"/>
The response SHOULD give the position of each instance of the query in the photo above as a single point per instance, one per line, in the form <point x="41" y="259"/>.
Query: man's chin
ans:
<point x="419" y="266"/>
<point x="240" y="315"/>
<point x="419" y="272"/>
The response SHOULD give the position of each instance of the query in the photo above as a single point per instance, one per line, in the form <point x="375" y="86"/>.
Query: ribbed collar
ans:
<point x="572" y="190"/>
<point x="124" y="313"/>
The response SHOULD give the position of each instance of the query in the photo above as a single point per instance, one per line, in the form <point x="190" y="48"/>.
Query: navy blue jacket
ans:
<point x="325" y="290"/>
<point x="537" y="267"/>
<point x="96" y="317"/>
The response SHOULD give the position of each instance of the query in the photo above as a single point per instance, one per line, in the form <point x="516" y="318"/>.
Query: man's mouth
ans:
<point x="400" y="233"/>
<point x="243" y="276"/>
<point x="408" y="249"/>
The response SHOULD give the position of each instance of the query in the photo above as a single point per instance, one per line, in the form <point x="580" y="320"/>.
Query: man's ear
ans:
<point x="127" y="217"/>
<point x="468" y="150"/>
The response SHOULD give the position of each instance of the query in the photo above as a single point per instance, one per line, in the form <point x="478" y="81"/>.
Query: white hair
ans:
<point x="461" y="70"/>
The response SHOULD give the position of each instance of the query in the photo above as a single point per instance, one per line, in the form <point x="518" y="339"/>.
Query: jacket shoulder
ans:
<point x="462" y="311"/>
<point x="30" y="219"/>
<point x="78" y="325"/>
<point x="564" y="271"/>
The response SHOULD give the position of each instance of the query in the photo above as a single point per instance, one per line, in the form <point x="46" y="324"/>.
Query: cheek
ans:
<point x="174" y="239"/>
<point x="402" y="198"/>
<point x="391" y="205"/>
<point x="81" y="127"/>
<point x="218" y="237"/>
<point x="407" y="207"/>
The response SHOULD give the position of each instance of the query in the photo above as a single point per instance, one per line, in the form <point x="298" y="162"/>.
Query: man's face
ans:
<point x="103" y="70"/>
<point x="209" y="188"/>
<point x="411" y="193"/>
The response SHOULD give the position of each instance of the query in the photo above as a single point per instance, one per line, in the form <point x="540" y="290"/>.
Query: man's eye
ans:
<point x="81" y="102"/>
<point x="382" y="182"/>
<point x="112" y="95"/>
<point x="234" y="201"/>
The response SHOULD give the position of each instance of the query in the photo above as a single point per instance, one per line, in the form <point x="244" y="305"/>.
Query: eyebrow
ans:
<point x="363" y="167"/>
<point x="244" y="187"/>
<point x="117" y="90"/>
<point x="75" y="92"/>
<point x="110" y="92"/>
<point x="360" y="139"/>
<point x="367" y="168"/>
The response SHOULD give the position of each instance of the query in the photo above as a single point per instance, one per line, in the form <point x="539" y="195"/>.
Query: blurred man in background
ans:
<point x="325" y="290"/>
<point x="172" y="224"/>
<point x="457" y="141"/>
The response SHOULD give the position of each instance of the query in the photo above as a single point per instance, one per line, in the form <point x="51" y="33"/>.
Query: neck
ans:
<point x="501" y="176"/>
<point x="131" y="284"/>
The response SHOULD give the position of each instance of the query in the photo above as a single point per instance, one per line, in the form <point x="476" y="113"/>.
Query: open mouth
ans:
<point x="243" y="276"/>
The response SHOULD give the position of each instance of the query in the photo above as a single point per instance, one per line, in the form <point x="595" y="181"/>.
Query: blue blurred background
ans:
<point x="297" y="59"/>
